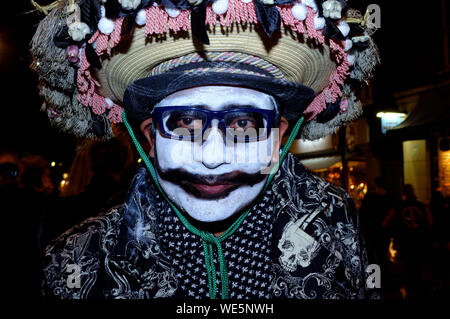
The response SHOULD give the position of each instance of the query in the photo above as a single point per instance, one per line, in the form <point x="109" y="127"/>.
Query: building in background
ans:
<point x="424" y="136"/>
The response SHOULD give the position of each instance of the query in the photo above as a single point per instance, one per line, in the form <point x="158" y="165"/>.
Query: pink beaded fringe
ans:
<point x="159" y="22"/>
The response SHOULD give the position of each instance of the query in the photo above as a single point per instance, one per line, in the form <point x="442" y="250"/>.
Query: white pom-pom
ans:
<point x="130" y="4"/>
<point x="109" y="102"/>
<point x="246" y="1"/>
<point x="319" y="23"/>
<point x="351" y="59"/>
<point x="311" y="3"/>
<point x="362" y="38"/>
<point x="348" y="44"/>
<point x="220" y="6"/>
<point x="78" y="30"/>
<point x="106" y="26"/>
<point x="299" y="11"/>
<point x="344" y="28"/>
<point x="172" y="12"/>
<point x="332" y="9"/>
<point x="141" y="18"/>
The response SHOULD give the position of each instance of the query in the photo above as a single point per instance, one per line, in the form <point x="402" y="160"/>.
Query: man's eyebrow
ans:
<point x="226" y="107"/>
<point x="236" y="106"/>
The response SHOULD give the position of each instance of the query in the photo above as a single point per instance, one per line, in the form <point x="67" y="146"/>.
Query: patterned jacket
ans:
<point x="299" y="240"/>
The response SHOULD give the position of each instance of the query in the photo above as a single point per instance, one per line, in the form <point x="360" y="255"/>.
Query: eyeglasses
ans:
<point x="191" y="123"/>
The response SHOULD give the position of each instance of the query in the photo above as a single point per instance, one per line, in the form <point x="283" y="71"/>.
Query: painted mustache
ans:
<point x="210" y="186"/>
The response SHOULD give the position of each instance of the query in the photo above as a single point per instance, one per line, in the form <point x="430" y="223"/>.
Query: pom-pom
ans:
<point x="344" y="105"/>
<point x="130" y="4"/>
<point x="106" y="26"/>
<point x="73" y="53"/>
<point x="351" y="59"/>
<point x="319" y="23"/>
<point x="78" y="31"/>
<point x="362" y="38"/>
<point x="344" y="28"/>
<point x="268" y="2"/>
<point x="172" y="12"/>
<point x="246" y="1"/>
<point x="332" y="9"/>
<point x="109" y="102"/>
<point x="311" y="3"/>
<point x="348" y="44"/>
<point x="141" y="18"/>
<point x="299" y="11"/>
<point x="220" y="6"/>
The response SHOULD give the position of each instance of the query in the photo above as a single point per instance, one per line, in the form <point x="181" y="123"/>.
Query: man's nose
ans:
<point x="213" y="147"/>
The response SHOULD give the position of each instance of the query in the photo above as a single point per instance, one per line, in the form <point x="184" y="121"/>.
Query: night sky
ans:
<point x="410" y="43"/>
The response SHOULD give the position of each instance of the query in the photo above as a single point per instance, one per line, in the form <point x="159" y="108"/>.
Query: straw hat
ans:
<point x="130" y="54"/>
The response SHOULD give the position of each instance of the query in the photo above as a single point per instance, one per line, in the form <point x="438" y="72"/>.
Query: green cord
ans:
<point x="209" y="239"/>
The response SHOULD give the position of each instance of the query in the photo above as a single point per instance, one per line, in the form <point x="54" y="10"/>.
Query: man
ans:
<point x="409" y="222"/>
<point x="374" y="208"/>
<point x="213" y="214"/>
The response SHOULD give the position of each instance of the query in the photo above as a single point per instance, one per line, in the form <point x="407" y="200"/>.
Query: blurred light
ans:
<point x="53" y="164"/>
<point x="65" y="175"/>
<point x="391" y="115"/>
<point x="361" y="185"/>
<point x="63" y="183"/>
<point x="60" y="164"/>
<point x="352" y="186"/>
<point x="393" y="254"/>
<point x="139" y="160"/>
<point x="389" y="120"/>
<point x="306" y="146"/>
<point x="444" y="171"/>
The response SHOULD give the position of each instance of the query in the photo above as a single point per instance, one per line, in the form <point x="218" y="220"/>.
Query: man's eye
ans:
<point x="185" y="122"/>
<point x="242" y="123"/>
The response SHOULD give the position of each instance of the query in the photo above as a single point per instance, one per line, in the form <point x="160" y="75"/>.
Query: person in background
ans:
<point x="26" y="187"/>
<point x="374" y="209"/>
<point x="439" y="208"/>
<point x="98" y="179"/>
<point x="410" y="222"/>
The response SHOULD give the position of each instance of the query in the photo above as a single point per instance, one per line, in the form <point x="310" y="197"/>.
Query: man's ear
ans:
<point x="284" y="124"/>
<point x="146" y="129"/>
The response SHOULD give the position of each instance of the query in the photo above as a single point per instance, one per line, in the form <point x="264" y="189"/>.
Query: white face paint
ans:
<point x="214" y="157"/>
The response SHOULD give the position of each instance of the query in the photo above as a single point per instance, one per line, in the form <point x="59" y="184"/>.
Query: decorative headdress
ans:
<point x="94" y="57"/>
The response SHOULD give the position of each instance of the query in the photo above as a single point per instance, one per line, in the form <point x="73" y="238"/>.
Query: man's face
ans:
<point x="213" y="177"/>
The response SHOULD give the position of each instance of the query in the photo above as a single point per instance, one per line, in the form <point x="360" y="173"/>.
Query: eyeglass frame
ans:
<point x="157" y="113"/>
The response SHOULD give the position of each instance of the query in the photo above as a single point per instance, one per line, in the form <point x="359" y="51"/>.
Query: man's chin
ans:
<point x="214" y="209"/>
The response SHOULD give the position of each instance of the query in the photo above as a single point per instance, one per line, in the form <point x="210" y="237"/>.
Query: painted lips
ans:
<point x="212" y="189"/>
<point x="210" y="186"/>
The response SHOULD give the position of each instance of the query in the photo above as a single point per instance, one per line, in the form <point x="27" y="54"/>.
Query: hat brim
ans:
<point x="142" y="95"/>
